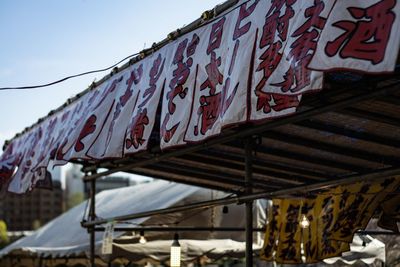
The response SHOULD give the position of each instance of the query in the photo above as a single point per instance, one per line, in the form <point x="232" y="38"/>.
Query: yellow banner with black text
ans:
<point x="322" y="224"/>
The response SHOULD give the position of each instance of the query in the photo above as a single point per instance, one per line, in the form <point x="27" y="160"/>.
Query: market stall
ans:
<point x="262" y="99"/>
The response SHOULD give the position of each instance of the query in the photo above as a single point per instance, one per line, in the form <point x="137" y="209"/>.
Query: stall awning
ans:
<point x="225" y="76"/>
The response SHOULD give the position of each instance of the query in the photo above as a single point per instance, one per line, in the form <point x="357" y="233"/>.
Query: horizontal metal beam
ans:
<point x="371" y="232"/>
<point x="214" y="229"/>
<point x="179" y="229"/>
<point x="375" y="175"/>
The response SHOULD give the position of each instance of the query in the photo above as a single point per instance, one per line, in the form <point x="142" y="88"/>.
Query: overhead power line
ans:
<point x="68" y="77"/>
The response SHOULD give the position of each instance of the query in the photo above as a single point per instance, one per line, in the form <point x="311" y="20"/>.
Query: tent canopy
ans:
<point x="64" y="236"/>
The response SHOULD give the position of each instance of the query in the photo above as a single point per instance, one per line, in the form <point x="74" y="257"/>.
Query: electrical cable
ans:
<point x="209" y="20"/>
<point x="68" y="77"/>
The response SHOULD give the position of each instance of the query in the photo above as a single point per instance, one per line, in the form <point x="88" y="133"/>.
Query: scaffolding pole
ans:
<point x="249" y="203"/>
<point x="92" y="216"/>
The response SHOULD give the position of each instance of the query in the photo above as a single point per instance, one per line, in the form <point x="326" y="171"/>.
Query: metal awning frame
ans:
<point x="248" y="137"/>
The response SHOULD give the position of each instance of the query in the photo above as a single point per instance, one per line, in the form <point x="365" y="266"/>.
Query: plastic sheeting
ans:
<point x="363" y="248"/>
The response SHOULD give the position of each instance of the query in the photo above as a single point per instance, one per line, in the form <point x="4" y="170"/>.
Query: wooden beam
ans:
<point x="363" y="136"/>
<point x="331" y="148"/>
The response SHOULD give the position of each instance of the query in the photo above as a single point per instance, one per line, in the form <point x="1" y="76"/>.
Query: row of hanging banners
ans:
<point x="249" y="64"/>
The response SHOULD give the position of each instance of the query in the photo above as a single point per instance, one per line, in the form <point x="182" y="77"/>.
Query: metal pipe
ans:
<point x="249" y="203"/>
<point x="250" y="131"/>
<point x="92" y="216"/>
<point x="179" y="229"/>
<point x="371" y="232"/>
<point x="376" y="175"/>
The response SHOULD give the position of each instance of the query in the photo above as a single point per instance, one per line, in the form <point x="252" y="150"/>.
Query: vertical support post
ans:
<point x="249" y="204"/>
<point x="92" y="216"/>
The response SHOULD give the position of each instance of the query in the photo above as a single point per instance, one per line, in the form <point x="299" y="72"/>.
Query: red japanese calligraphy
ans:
<point x="277" y="5"/>
<point x="56" y="152"/>
<point x="134" y="78"/>
<point x="215" y="77"/>
<point x="176" y="85"/>
<point x="106" y="93"/>
<point x="216" y="35"/>
<point x="155" y="73"/>
<point x="182" y="71"/>
<point x="367" y="37"/>
<point x="269" y="61"/>
<point x="244" y="12"/>
<point x="48" y="139"/>
<point x="280" y="101"/>
<point x="214" y="104"/>
<point x="137" y="128"/>
<point x="26" y="159"/>
<point x="239" y="31"/>
<point x="88" y="129"/>
<point x="9" y="160"/>
<point x="208" y="112"/>
<point x="210" y="104"/>
<point x="141" y="120"/>
<point x="70" y="114"/>
<point x="227" y="99"/>
<point x="275" y="24"/>
<point x="297" y="76"/>
<point x="90" y="124"/>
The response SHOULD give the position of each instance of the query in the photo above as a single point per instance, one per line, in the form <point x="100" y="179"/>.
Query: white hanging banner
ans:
<point x="100" y="106"/>
<point x="205" y="114"/>
<point x="108" y="143"/>
<point x="360" y="35"/>
<point x="179" y="89"/>
<point x="286" y="45"/>
<point x="143" y="116"/>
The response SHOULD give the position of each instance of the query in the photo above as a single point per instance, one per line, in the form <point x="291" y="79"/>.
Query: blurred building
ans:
<point x="33" y="209"/>
<point x="109" y="182"/>
<point x="74" y="189"/>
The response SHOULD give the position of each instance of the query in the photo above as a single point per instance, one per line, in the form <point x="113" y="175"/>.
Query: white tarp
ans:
<point x="364" y="248"/>
<point x="64" y="235"/>
<point x="251" y="63"/>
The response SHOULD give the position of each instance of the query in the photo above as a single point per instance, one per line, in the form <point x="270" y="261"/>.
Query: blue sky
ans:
<point x="45" y="40"/>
